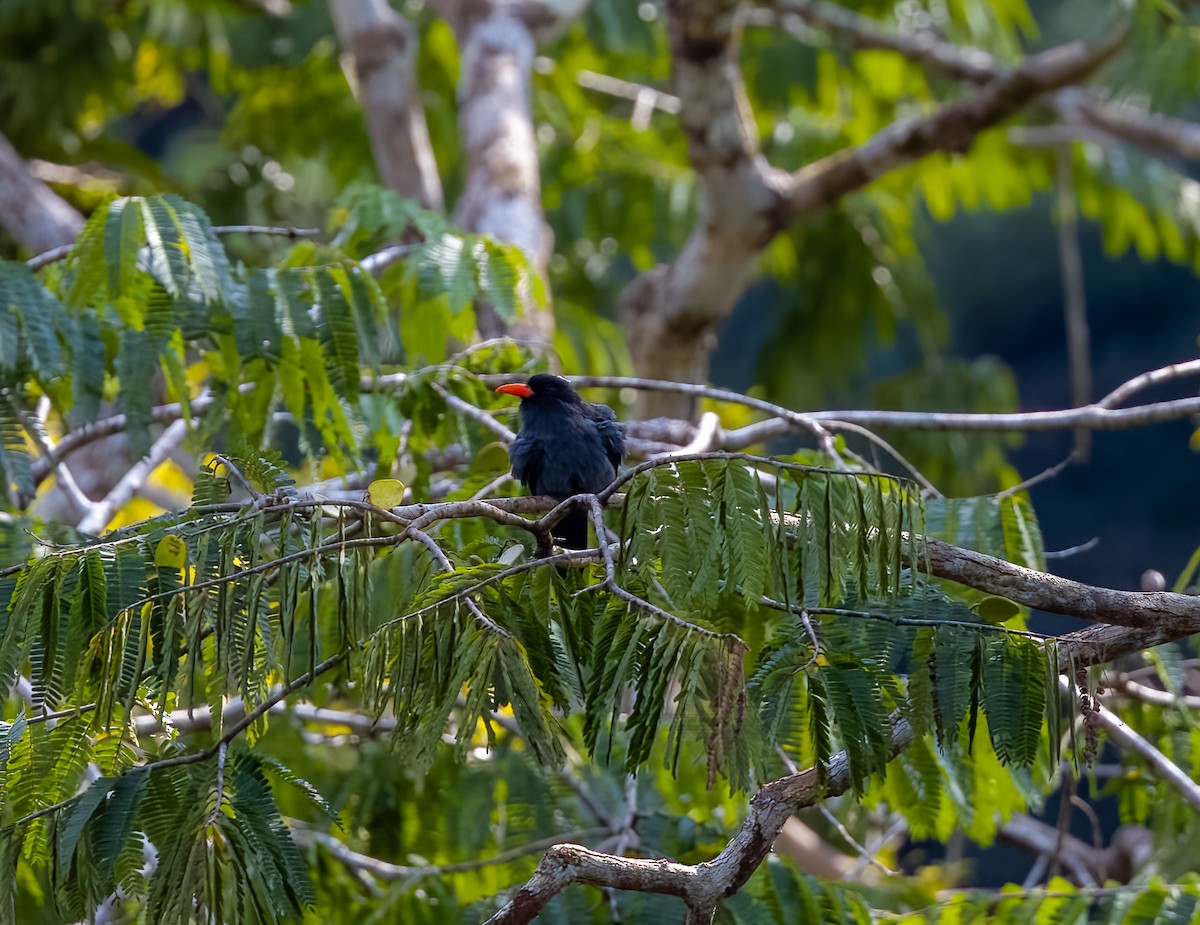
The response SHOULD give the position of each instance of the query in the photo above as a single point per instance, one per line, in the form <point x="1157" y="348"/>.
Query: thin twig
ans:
<point x="63" y="251"/>
<point x="804" y="613"/>
<point x="282" y="231"/>
<point x="635" y="93"/>
<point x="237" y="476"/>
<point x="614" y="588"/>
<point x="1126" y="738"/>
<point x="874" y="438"/>
<point x="1063" y="822"/>
<point x="1074" y="297"/>
<point x="102" y="511"/>
<point x="447" y="566"/>
<point x="1072" y="550"/>
<point x="385" y="870"/>
<point x="222" y="751"/>
<point x="969" y="64"/>
<point x="797" y="420"/>
<point x="476" y="414"/>
<point x="854" y="842"/>
<point x="1044" y="476"/>
<point x="1154" y="377"/>
<point x="376" y="263"/>
<point x="1092" y="417"/>
<point x="46" y="258"/>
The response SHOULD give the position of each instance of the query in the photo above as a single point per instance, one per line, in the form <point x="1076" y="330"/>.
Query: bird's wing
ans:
<point x="612" y="433"/>
<point x="526" y="461"/>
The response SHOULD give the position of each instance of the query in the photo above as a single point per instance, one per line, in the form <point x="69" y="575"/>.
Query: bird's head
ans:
<point x="543" y="389"/>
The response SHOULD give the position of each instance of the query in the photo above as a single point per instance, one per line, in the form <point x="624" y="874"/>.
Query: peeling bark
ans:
<point x="30" y="211"/>
<point x="383" y="47"/>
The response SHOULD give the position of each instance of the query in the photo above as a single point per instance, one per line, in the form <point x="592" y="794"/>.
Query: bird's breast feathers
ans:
<point x="568" y="459"/>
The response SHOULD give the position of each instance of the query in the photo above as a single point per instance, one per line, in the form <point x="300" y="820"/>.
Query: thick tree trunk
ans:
<point x="671" y="313"/>
<point x="503" y="194"/>
<point x="383" y="46"/>
<point x="30" y="211"/>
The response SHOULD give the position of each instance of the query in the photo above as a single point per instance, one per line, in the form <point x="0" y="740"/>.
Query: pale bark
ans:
<point x="30" y="211"/>
<point x="503" y="193"/>
<point x="383" y="47"/>
<point x="672" y="311"/>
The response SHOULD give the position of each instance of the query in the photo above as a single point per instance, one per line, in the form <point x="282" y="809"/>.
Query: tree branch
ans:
<point x="667" y="435"/>
<point x="969" y="64"/>
<point x="701" y="886"/>
<point x="1152" y="695"/>
<point x="1146" y="380"/>
<point x="101" y="512"/>
<point x="1086" y="864"/>
<point x="1126" y="738"/>
<point x="670" y="312"/>
<point x="385" y="870"/>
<point x="1152" y="132"/>
<point x="231" y="733"/>
<point x="30" y="211"/>
<point x="1078" y="109"/>
<point x="951" y="128"/>
<point x="1145" y="611"/>
<point x="1098" y="416"/>
<point x="502" y="197"/>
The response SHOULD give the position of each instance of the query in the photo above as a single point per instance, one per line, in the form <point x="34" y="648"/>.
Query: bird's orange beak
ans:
<point x="519" y="389"/>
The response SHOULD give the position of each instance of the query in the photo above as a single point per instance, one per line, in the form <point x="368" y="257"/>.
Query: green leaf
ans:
<point x="1014" y="696"/>
<point x="123" y="236"/>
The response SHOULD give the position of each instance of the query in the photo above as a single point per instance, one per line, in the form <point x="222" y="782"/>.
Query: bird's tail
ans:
<point x="571" y="532"/>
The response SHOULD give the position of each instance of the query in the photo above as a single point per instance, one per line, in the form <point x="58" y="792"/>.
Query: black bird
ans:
<point x="566" y="446"/>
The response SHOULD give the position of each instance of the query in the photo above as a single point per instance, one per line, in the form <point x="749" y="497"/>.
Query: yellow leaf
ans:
<point x="386" y="493"/>
<point x="171" y="552"/>
<point x="996" y="610"/>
